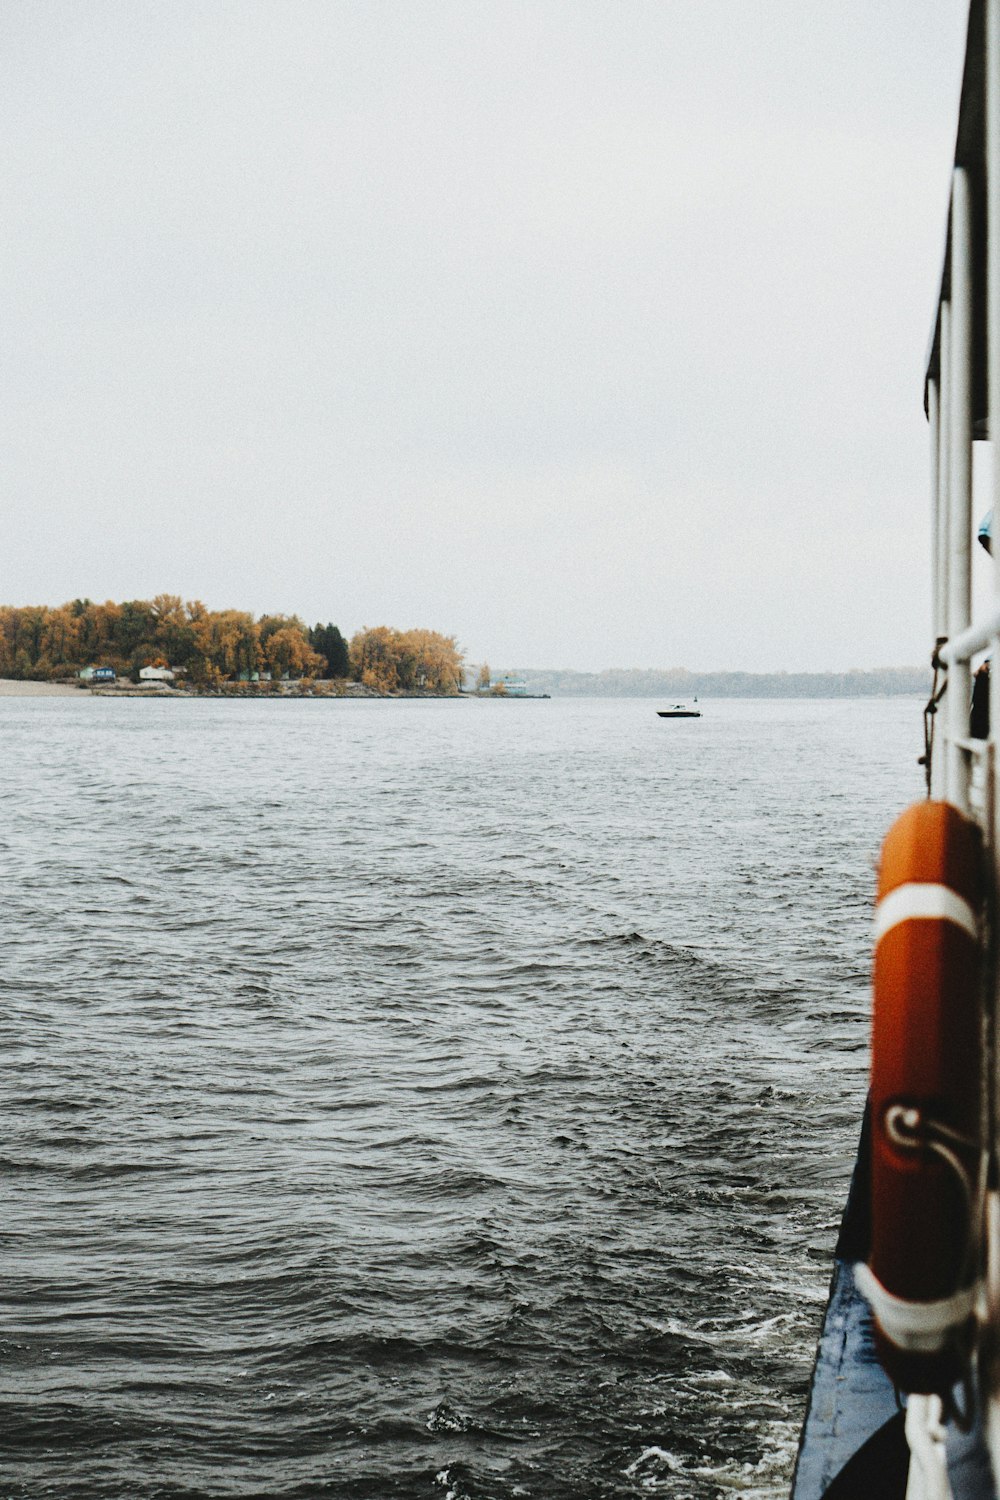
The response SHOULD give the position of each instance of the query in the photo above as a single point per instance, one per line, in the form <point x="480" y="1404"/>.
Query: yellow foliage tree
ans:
<point x="389" y="661"/>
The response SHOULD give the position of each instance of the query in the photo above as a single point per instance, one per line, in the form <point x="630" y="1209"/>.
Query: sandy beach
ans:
<point x="10" y="688"/>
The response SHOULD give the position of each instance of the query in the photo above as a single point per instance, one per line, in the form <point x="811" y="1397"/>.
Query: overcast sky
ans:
<point x="590" y="331"/>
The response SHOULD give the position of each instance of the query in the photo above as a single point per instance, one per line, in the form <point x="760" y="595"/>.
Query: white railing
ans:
<point x="963" y="770"/>
<point x="950" y="409"/>
<point x="949" y="405"/>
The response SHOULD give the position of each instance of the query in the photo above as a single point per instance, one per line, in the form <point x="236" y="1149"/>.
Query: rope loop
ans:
<point x="910" y="1129"/>
<point x="931" y="707"/>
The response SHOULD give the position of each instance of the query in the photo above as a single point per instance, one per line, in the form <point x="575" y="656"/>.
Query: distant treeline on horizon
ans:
<point x="42" y="643"/>
<point x="637" y="682"/>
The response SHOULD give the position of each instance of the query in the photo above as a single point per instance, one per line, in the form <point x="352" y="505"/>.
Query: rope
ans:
<point x="927" y="1327"/>
<point x="925" y="1435"/>
<point x="931" y="708"/>
<point x="910" y="1130"/>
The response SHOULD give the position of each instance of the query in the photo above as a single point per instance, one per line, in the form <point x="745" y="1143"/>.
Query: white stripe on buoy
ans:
<point x="937" y="902"/>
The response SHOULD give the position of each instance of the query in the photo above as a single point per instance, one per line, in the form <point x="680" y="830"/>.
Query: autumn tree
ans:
<point x="61" y="637"/>
<point x="284" y="644"/>
<point x="105" y="617"/>
<point x="389" y="660"/>
<point x="289" y="654"/>
<point x="372" y="655"/>
<point x="174" y="629"/>
<point x="226" y="644"/>
<point x="437" y="661"/>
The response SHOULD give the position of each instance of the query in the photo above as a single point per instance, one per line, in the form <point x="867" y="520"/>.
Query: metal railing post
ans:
<point x="960" y="485"/>
<point x="933" y="416"/>
<point x="992" y="1225"/>
<point x="944" y="471"/>
<point x="993" y="354"/>
<point x="939" y="778"/>
<point x="937" y="550"/>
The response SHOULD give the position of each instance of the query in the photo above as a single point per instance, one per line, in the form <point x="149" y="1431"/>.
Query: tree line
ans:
<point x="637" y="682"/>
<point x="40" y="642"/>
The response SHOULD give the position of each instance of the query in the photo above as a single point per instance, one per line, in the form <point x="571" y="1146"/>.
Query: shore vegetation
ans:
<point x="212" y="648"/>
<point x="389" y="661"/>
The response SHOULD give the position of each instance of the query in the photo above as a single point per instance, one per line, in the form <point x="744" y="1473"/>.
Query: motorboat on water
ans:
<point x="905" y="1395"/>
<point x="679" y="711"/>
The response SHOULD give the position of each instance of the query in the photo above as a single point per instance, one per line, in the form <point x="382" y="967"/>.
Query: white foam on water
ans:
<point x="658" y="1455"/>
<point x="769" y="1478"/>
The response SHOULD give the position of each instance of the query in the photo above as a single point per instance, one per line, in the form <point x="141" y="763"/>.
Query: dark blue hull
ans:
<point x="853" y="1444"/>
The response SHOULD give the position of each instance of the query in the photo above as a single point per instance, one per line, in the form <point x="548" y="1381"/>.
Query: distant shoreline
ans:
<point x="11" y="687"/>
<point x="679" y="683"/>
<point x="25" y="688"/>
<point x="16" y="687"/>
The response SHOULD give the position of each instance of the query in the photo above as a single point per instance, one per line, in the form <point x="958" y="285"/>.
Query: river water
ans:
<point x="427" y="1099"/>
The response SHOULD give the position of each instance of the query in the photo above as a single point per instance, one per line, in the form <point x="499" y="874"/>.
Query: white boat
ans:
<point x="905" y="1396"/>
<point x="679" y="711"/>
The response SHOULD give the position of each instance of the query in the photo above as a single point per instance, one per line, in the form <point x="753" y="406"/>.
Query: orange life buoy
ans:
<point x="926" y="1097"/>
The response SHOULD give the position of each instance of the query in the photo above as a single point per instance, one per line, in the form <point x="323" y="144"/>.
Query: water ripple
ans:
<point x="406" y="1100"/>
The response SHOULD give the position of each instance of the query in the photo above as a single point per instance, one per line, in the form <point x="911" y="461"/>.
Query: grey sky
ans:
<point x="589" y="330"/>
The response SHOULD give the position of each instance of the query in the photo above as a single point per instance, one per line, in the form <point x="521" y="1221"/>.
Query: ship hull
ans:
<point x="853" y="1444"/>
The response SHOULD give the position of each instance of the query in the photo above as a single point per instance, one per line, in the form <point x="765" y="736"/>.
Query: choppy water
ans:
<point x="412" y="1099"/>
